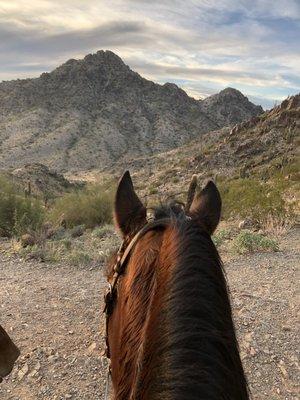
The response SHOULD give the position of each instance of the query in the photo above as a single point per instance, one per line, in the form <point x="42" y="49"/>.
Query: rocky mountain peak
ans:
<point x="230" y="107"/>
<point x="231" y="92"/>
<point x="89" y="113"/>
<point x="93" y="66"/>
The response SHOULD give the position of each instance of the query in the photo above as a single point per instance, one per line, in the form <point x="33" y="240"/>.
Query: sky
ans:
<point x="201" y="45"/>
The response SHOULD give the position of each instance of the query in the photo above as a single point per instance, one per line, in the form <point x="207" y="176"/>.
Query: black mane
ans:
<point x="199" y="351"/>
<point x="189" y="349"/>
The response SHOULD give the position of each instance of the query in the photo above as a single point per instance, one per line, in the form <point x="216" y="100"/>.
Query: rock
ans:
<point x="286" y="328"/>
<point x="27" y="240"/>
<point x="253" y="352"/>
<point x="53" y="359"/>
<point x="35" y="370"/>
<point x="246" y="224"/>
<point x="92" y="348"/>
<point x="23" y="371"/>
<point x="49" y="351"/>
<point x="77" y="231"/>
<point x="282" y="368"/>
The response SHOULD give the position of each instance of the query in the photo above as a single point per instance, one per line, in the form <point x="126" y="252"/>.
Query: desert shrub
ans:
<point x="43" y="253"/>
<point x="251" y="198"/>
<point x="18" y="214"/>
<point x="77" y="231"/>
<point x="67" y="243"/>
<point x="153" y="190"/>
<point x="248" y="242"/>
<point x="90" y="207"/>
<point x="277" y="225"/>
<point x="102" y="231"/>
<point x="60" y="233"/>
<point x="79" y="258"/>
<point x="220" y="236"/>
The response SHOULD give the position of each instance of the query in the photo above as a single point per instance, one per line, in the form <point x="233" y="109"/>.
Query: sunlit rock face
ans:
<point x="89" y="113"/>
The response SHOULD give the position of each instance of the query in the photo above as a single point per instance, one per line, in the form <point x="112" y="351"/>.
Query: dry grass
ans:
<point x="277" y="226"/>
<point x="92" y="248"/>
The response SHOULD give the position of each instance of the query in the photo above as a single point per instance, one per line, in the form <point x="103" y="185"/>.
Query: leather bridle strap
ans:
<point x="160" y="223"/>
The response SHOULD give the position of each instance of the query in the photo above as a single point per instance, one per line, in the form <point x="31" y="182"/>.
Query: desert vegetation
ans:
<point x="90" y="207"/>
<point x="76" y="227"/>
<point x="51" y="232"/>
<point x="18" y="213"/>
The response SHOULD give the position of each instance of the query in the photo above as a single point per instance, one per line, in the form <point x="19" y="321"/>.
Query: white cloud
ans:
<point x="211" y="43"/>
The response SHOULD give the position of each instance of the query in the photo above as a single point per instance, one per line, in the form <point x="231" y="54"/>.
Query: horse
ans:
<point x="9" y="353"/>
<point x="169" y="328"/>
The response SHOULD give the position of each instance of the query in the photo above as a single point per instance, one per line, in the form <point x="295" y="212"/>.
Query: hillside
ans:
<point x="229" y="107"/>
<point x="89" y="113"/>
<point x="39" y="180"/>
<point x="262" y="147"/>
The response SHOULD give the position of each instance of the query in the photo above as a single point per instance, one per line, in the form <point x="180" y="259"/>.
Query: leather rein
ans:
<point x="119" y="268"/>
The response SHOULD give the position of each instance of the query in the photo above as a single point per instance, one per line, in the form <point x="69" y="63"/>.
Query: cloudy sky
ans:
<point x="201" y="45"/>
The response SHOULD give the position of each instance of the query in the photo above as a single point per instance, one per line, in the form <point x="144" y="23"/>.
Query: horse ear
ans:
<point x="129" y="212"/>
<point x="206" y="207"/>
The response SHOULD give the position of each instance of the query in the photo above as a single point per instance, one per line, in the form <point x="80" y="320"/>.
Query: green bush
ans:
<point x="251" y="198"/>
<point x="220" y="236"/>
<point x="102" y="231"/>
<point x="40" y="253"/>
<point x="248" y="242"/>
<point x="153" y="190"/>
<point x="67" y="243"/>
<point x="18" y="214"/>
<point x="79" y="258"/>
<point x="89" y="207"/>
<point x="77" y="231"/>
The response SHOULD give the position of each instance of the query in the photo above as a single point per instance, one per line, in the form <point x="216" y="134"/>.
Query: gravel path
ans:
<point x="54" y="314"/>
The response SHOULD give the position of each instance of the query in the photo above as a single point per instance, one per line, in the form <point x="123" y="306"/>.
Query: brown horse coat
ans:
<point x="8" y="354"/>
<point x="171" y="335"/>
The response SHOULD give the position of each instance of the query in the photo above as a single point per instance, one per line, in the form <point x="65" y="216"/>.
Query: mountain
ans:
<point x="260" y="147"/>
<point x="229" y="107"/>
<point x="92" y="112"/>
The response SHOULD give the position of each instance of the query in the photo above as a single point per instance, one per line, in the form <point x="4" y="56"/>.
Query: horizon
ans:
<point x="201" y="46"/>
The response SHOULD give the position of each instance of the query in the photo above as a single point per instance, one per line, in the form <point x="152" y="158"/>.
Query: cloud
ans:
<point x="216" y="74"/>
<point x="204" y="44"/>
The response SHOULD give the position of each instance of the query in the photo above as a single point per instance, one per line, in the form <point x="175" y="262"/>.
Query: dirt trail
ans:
<point x="54" y="314"/>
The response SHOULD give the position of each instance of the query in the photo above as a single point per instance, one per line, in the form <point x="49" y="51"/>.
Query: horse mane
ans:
<point x="189" y="349"/>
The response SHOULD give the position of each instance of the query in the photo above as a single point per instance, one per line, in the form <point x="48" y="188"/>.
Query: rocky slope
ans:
<point x="229" y="107"/>
<point x="89" y="113"/>
<point x="40" y="181"/>
<point x="261" y="146"/>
